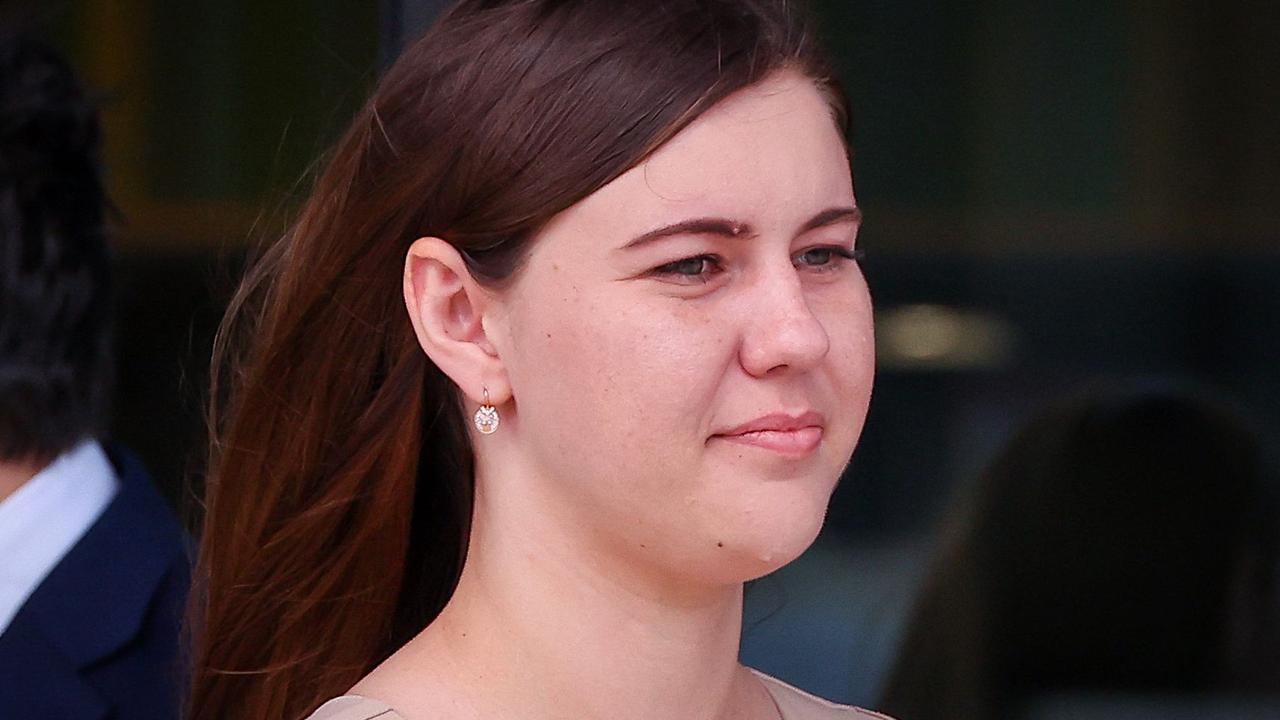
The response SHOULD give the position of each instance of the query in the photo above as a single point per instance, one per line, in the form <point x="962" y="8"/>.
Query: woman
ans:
<point x="567" y="344"/>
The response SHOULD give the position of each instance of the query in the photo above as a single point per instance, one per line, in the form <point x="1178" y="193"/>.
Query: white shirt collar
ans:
<point x="42" y="520"/>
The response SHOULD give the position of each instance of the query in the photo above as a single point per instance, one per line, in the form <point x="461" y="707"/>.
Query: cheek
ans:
<point x="851" y="360"/>
<point x="852" y="334"/>
<point x="606" y="369"/>
<point x="613" y="403"/>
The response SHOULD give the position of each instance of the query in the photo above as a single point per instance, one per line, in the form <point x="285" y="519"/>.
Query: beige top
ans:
<point x="793" y="704"/>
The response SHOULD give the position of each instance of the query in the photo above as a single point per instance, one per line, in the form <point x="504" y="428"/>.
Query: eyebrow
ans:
<point x="729" y="228"/>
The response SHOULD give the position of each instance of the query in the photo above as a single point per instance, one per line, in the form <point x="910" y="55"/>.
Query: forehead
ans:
<point x="770" y="155"/>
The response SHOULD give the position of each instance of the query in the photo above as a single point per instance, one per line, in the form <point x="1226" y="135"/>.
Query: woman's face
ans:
<point x="638" y="360"/>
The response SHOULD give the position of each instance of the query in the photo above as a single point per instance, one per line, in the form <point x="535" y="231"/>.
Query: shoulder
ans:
<point x="354" y="707"/>
<point x="100" y="634"/>
<point x="796" y="704"/>
<point x="152" y="519"/>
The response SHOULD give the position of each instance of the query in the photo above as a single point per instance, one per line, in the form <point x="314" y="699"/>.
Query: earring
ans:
<point x="486" y="418"/>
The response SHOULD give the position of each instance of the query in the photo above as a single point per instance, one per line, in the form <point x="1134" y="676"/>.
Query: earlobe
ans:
<point x="446" y="307"/>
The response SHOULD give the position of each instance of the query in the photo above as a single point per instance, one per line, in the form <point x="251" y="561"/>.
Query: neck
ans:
<point x="537" y="628"/>
<point x="15" y="473"/>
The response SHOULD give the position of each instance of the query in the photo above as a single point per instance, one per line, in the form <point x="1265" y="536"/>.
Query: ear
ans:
<point x="446" y="306"/>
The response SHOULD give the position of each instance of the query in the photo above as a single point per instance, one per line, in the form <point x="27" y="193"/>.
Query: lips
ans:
<point x="779" y="432"/>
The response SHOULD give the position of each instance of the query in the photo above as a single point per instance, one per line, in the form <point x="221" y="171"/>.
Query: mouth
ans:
<point x="791" y="435"/>
<point x="798" y="442"/>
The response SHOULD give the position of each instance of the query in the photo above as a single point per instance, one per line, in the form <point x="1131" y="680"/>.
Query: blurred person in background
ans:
<point x="93" y="567"/>
<point x="1122" y="545"/>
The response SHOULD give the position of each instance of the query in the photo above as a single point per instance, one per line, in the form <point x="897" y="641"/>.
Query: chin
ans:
<point x="762" y="547"/>
<point x="783" y="550"/>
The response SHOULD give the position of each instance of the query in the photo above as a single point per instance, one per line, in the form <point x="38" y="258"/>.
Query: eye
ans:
<point x="827" y="257"/>
<point x="697" y="269"/>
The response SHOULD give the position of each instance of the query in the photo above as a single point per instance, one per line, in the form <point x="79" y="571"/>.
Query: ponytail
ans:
<point x="339" y="487"/>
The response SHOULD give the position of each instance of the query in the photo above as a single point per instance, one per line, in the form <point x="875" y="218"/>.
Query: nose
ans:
<point x="781" y="333"/>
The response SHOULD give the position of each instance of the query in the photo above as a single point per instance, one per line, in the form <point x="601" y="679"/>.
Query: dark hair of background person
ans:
<point x="340" y="482"/>
<point x="55" y="310"/>
<point x="1122" y="541"/>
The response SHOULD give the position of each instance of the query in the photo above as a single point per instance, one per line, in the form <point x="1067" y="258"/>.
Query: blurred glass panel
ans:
<point x="213" y="110"/>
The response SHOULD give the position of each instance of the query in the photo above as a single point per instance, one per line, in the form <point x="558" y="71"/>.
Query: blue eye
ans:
<point x="699" y="268"/>
<point x="825" y="258"/>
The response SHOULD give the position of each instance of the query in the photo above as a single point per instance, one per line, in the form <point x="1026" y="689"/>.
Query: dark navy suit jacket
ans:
<point x="98" y="639"/>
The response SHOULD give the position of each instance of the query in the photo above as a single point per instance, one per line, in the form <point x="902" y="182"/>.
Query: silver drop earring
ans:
<point x="486" y="418"/>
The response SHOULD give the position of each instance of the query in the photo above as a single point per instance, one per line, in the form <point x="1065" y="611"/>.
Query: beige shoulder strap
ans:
<point x="354" y="707"/>
<point x="796" y="704"/>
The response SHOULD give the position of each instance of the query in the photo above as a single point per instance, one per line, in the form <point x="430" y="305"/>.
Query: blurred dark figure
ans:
<point x="93" y="568"/>
<point x="1122" y="542"/>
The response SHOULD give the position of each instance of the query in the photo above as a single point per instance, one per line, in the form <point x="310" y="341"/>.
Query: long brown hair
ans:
<point x="340" y="482"/>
